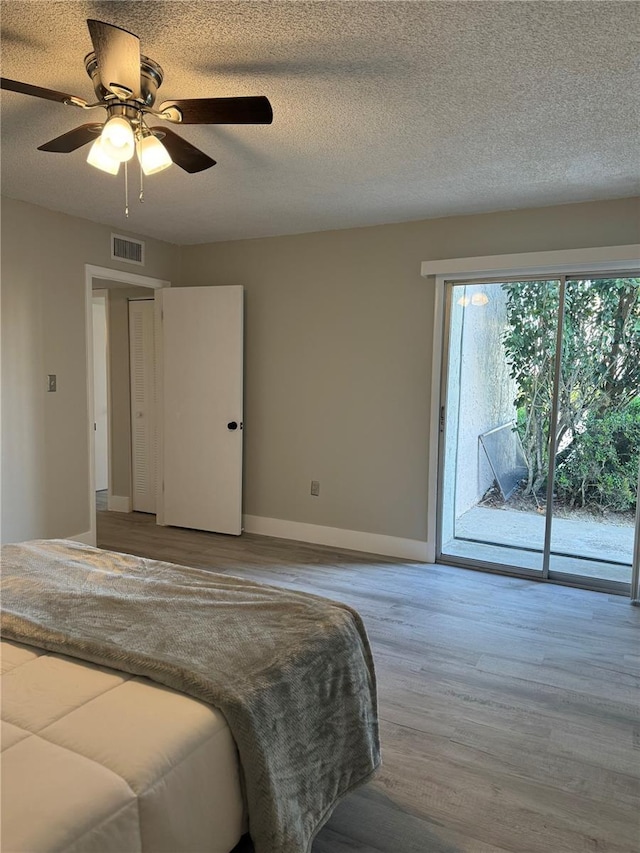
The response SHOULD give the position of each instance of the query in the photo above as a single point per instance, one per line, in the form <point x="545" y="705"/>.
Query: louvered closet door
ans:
<point x="144" y="449"/>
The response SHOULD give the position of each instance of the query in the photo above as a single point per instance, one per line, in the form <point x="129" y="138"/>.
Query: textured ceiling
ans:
<point x="383" y="112"/>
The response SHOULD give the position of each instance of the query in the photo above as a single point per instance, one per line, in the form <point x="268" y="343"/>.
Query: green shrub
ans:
<point x="600" y="469"/>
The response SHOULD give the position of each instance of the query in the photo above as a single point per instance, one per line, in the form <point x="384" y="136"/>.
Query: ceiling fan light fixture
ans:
<point x="153" y="156"/>
<point x="117" y="139"/>
<point x="126" y="84"/>
<point x="99" y="158"/>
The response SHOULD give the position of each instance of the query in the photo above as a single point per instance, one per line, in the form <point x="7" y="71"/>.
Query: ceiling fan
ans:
<point x="126" y="84"/>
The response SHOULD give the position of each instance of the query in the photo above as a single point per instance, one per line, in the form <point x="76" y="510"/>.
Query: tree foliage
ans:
<point x="600" y="366"/>
<point x="601" y="466"/>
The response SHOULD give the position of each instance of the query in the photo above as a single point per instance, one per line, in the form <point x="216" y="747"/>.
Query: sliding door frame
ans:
<point x="635" y="570"/>
<point x="603" y="261"/>
<point x="553" y="428"/>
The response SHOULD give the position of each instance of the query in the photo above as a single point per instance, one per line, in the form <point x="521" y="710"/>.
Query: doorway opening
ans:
<point x="124" y="398"/>
<point x="118" y="289"/>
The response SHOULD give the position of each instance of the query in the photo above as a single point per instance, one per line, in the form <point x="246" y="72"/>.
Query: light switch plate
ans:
<point x="52" y="382"/>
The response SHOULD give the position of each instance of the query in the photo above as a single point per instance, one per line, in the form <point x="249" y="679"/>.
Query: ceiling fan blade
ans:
<point x="118" y="55"/>
<point x="73" y="139"/>
<point x="252" y="110"/>
<point x="183" y="153"/>
<point x="38" y="91"/>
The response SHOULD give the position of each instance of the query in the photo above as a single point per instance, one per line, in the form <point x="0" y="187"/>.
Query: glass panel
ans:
<point x="598" y="431"/>
<point x="501" y="356"/>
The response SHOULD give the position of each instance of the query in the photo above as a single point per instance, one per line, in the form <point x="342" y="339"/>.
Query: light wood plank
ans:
<point x="510" y="709"/>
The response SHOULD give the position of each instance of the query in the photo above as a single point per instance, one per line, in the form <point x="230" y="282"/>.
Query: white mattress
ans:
<point x="98" y="761"/>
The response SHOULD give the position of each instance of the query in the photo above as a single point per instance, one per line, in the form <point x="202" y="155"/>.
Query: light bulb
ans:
<point x="464" y="301"/>
<point x="153" y="156"/>
<point x="479" y="298"/>
<point x="117" y="139"/>
<point x="99" y="158"/>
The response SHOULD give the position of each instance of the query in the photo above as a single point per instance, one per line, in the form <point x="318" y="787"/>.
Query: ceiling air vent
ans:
<point x="126" y="249"/>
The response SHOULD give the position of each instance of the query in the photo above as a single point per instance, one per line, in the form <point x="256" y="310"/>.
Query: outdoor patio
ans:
<point x="492" y="534"/>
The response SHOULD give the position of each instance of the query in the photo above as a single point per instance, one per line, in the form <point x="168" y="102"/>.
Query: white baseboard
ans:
<point x="118" y="503"/>
<point x="352" y="540"/>
<point x="87" y="538"/>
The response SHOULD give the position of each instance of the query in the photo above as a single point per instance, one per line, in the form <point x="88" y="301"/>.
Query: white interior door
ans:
<point x="144" y="446"/>
<point x="100" y="393"/>
<point x="201" y="404"/>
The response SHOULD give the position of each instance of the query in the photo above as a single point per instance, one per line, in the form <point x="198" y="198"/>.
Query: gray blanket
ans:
<point x="292" y="673"/>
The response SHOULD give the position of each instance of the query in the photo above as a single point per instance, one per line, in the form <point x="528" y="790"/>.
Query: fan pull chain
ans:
<point x="126" y="189"/>
<point x="141" y="196"/>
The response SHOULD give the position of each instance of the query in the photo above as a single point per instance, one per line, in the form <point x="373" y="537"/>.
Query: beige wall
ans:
<point x="338" y="354"/>
<point x="338" y="357"/>
<point x="45" y="454"/>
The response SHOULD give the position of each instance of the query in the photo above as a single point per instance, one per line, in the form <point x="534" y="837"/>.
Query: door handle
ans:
<point x="232" y="425"/>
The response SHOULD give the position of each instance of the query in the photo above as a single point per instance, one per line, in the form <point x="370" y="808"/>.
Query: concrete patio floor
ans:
<point x="491" y="534"/>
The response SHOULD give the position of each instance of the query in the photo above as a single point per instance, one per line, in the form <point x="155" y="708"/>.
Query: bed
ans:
<point x="157" y="708"/>
<point x="99" y="761"/>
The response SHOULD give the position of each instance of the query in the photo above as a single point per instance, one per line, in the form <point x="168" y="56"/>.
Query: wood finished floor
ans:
<point x="510" y="712"/>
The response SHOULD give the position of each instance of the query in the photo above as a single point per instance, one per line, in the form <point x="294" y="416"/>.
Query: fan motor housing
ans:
<point x="151" y="77"/>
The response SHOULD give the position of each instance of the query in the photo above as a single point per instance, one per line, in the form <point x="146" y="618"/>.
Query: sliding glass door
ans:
<point x="540" y="428"/>
<point x="598" y="431"/>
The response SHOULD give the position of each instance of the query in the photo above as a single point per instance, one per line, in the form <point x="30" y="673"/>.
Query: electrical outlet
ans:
<point x="315" y="488"/>
<point x="51" y="382"/>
